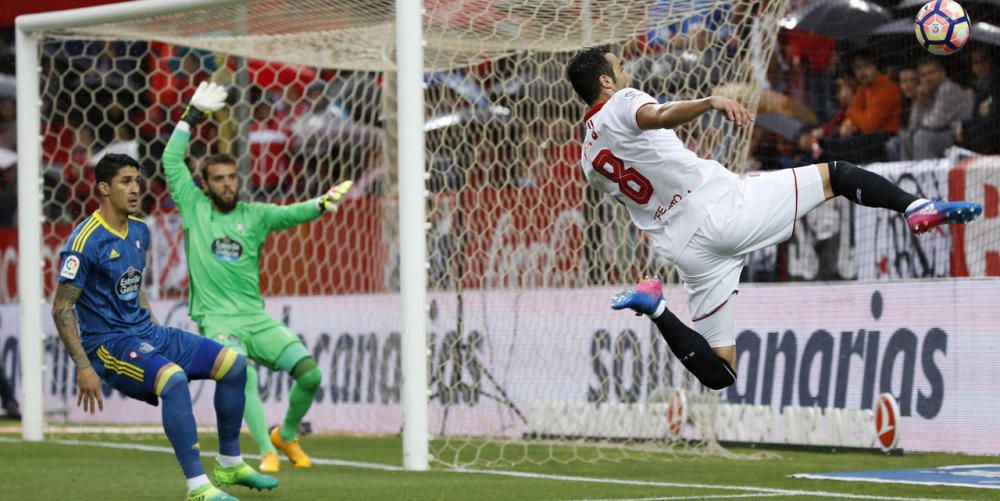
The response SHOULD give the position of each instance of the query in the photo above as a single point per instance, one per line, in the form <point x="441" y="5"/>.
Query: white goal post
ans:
<point x="413" y="279"/>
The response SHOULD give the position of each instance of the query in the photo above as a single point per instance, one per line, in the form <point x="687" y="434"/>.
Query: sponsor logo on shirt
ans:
<point x="128" y="284"/>
<point x="227" y="249"/>
<point x="114" y="254"/>
<point x="145" y="348"/>
<point x="70" y="266"/>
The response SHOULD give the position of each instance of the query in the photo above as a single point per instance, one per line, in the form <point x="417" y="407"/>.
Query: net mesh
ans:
<point x="511" y="224"/>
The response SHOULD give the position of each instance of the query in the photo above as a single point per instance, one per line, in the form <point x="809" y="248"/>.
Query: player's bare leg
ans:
<point x="727" y="353"/>
<point x="872" y="190"/>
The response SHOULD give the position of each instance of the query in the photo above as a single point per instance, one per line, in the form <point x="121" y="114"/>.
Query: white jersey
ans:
<point x="667" y="189"/>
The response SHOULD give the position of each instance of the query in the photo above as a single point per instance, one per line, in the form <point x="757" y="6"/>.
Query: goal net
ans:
<point x="527" y="362"/>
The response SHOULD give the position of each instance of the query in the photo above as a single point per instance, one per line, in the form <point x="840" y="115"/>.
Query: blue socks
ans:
<point x="230" y="397"/>
<point x="178" y="423"/>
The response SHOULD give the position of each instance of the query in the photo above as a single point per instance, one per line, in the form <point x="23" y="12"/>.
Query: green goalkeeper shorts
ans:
<point x="258" y="336"/>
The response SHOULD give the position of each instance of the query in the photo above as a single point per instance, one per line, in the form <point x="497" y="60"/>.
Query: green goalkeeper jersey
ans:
<point x="223" y="250"/>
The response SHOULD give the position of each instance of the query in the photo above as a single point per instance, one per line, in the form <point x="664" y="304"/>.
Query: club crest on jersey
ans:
<point x="145" y="348"/>
<point x="128" y="284"/>
<point x="133" y="355"/>
<point x="227" y="249"/>
<point x="70" y="266"/>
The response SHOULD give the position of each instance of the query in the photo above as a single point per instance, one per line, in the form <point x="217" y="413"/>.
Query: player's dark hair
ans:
<point x="584" y="71"/>
<point x="218" y="158"/>
<point x="110" y="164"/>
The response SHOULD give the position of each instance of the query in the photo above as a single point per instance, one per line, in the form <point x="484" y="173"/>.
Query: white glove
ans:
<point x="328" y="202"/>
<point x="208" y="97"/>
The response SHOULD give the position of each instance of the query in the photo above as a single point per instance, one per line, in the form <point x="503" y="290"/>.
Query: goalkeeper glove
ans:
<point x="328" y="202"/>
<point x="208" y="97"/>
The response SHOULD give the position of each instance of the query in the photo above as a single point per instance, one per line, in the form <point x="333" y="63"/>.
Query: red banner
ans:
<point x="342" y="253"/>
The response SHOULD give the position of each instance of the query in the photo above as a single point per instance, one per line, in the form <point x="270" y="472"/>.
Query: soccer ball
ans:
<point x="942" y="27"/>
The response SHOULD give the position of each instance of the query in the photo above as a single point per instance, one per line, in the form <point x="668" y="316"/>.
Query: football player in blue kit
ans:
<point x="106" y="324"/>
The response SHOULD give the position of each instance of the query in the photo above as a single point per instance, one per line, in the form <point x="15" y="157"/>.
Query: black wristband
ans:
<point x="192" y="116"/>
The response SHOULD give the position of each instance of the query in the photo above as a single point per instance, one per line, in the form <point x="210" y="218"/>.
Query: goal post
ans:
<point x="29" y="217"/>
<point x="412" y="195"/>
<point x="412" y="231"/>
<point x="471" y="267"/>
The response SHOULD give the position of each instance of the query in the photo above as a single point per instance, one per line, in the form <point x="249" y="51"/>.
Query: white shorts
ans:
<point x="762" y="213"/>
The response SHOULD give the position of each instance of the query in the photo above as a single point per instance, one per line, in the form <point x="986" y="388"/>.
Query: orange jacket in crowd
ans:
<point x="875" y="107"/>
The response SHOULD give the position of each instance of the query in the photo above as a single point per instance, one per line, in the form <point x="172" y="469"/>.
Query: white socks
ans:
<point x="659" y="309"/>
<point x="229" y="461"/>
<point x="917" y="203"/>
<point x="196" y="482"/>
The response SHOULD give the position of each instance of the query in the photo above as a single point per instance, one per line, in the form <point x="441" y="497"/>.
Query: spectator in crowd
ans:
<point x="982" y="70"/>
<point x="872" y="116"/>
<point x="810" y="140"/>
<point x="980" y="132"/>
<point x="8" y="123"/>
<point x="908" y="82"/>
<point x="8" y="187"/>
<point x="813" y="69"/>
<point x="940" y="104"/>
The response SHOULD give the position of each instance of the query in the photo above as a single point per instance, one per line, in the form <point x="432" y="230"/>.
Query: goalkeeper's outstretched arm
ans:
<point x="208" y="97"/>
<point x="282" y="217"/>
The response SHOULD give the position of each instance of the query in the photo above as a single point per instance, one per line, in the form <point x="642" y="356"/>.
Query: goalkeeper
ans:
<point x="223" y="237"/>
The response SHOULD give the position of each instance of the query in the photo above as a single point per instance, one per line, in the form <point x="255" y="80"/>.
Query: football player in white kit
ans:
<point x="702" y="217"/>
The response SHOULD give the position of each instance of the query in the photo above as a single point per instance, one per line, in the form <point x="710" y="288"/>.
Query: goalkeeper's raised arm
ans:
<point x="222" y="183"/>
<point x="208" y="97"/>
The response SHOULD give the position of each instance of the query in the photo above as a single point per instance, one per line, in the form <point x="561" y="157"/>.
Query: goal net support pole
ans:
<point x="29" y="222"/>
<point x="412" y="197"/>
<point x="412" y="231"/>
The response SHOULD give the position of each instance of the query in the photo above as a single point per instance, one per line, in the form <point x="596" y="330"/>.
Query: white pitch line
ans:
<point x="649" y="483"/>
<point x="672" y="498"/>
<point x="158" y="448"/>
<point x="516" y="474"/>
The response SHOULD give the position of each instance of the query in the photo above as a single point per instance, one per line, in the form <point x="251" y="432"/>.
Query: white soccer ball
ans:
<point x="942" y="27"/>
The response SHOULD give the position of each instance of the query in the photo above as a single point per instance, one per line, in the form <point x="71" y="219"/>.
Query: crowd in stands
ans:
<point x="887" y="111"/>
<point x="298" y="130"/>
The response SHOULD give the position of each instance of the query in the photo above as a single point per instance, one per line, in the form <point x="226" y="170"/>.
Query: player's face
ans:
<point x="223" y="185"/>
<point x="622" y="78"/>
<point x="123" y="192"/>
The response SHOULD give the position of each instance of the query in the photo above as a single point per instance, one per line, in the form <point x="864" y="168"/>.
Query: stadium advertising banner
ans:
<point x="885" y="248"/>
<point x="932" y="344"/>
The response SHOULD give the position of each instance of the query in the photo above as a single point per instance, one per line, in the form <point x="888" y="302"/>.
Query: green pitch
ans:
<point x="361" y="468"/>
